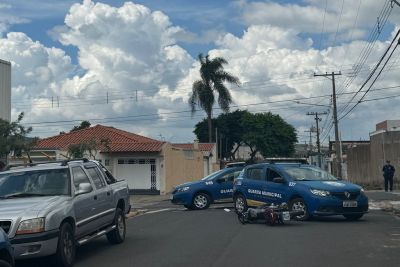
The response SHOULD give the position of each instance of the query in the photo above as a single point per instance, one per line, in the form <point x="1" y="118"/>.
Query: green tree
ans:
<point x="13" y="137"/>
<point x="229" y="128"/>
<point x="266" y="133"/>
<point x="83" y="125"/>
<point x="89" y="147"/>
<point x="269" y="134"/>
<point x="212" y="81"/>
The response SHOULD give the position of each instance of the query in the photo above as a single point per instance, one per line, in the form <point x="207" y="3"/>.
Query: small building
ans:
<point x="148" y="165"/>
<point x="366" y="160"/>
<point x="209" y="151"/>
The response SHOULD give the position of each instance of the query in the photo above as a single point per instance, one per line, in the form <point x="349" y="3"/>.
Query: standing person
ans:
<point x="388" y="173"/>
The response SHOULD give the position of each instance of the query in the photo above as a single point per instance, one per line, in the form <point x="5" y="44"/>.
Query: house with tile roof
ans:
<point x="209" y="151"/>
<point x="148" y="165"/>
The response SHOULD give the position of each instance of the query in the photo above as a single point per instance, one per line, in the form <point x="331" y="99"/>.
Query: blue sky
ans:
<point x="272" y="46"/>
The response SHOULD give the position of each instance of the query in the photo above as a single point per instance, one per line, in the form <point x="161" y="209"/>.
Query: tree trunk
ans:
<point x="209" y="128"/>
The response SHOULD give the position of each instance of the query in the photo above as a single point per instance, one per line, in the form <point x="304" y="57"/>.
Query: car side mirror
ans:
<point x="278" y="180"/>
<point x="84" y="188"/>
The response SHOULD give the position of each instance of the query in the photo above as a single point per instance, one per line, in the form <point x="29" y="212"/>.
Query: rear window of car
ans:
<point x="255" y="174"/>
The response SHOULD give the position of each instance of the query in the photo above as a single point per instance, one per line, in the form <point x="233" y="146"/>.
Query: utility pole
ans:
<point x="335" y="121"/>
<point x="317" y="120"/>
<point x="310" y="143"/>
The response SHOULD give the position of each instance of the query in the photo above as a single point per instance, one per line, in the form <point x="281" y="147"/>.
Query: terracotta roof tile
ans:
<point x="120" y="141"/>
<point x="202" y="146"/>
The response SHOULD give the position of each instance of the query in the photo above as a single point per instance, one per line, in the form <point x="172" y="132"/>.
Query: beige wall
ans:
<point x="365" y="162"/>
<point x="179" y="167"/>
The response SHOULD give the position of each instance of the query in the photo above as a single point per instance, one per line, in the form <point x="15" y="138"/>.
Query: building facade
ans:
<point x="5" y="90"/>
<point x="148" y="165"/>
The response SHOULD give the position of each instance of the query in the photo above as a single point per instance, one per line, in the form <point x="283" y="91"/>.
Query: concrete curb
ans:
<point x="388" y="206"/>
<point x="135" y="213"/>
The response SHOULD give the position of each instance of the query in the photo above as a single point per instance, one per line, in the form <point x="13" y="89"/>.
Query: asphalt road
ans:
<point x="216" y="238"/>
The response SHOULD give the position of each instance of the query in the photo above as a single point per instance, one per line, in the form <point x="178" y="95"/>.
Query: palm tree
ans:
<point x="212" y="80"/>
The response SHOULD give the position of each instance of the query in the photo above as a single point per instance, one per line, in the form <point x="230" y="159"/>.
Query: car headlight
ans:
<point x="362" y="191"/>
<point x="321" y="193"/>
<point x="183" y="189"/>
<point x="31" y="226"/>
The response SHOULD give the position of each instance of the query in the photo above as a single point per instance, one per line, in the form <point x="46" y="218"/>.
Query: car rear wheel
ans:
<point x="298" y="204"/>
<point x="240" y="204"/>
<point x="353" y="217"/>
<point x="66" y="248"/>
<point x="5" y="264"/>
<point x="201" y="201"/>
<point x="117" y="235"/>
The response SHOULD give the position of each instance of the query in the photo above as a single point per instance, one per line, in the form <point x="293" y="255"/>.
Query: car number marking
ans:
<point x="209" y="183"/>
<point x="292" y="183"/>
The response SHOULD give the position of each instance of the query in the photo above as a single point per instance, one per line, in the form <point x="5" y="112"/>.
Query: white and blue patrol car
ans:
<point x="217" y="186"/>
<point x="304" y="187"/>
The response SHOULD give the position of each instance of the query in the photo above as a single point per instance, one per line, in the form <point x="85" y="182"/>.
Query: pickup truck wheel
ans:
<point x="117" y="236"/>
<point x="5" y="264"/>
<point x="65" y="255"/>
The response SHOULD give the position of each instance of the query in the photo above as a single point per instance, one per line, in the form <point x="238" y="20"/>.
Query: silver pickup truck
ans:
<point x="50" y="208"/>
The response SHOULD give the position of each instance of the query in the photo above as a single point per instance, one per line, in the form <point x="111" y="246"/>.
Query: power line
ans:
<point x="373" y="82"/>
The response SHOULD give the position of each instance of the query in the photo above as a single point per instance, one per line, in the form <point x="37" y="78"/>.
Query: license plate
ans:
<point x="286" y="216"/>
<point x="349" y="204"/>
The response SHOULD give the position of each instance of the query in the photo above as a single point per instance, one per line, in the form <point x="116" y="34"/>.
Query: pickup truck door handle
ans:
<point x="95" y="197"/>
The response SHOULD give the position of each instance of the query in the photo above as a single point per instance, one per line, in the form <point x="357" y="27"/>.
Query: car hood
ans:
<point x="17" y="207"/>
<point x="333" y="186"/>
<point x="189" y="184"/>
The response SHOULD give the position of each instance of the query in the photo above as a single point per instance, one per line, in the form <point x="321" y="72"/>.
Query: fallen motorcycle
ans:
<point x="271" y="214"/>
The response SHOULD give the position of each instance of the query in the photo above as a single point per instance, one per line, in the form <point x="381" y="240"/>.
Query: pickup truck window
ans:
<point x="96" y="177"/>
<point x="34" y="183"/>
<point x="79" y="177"/>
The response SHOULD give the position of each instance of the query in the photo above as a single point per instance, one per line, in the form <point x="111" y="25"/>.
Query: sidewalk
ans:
<point x="145" y="203"/>
<point x="386" y="201"/>
<point x="148" y="199"/>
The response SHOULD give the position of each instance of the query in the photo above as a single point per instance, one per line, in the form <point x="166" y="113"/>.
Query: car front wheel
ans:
<point x="240" y="204"/>
<point x="65" y="255"/>
<point x="298" y="204"/>
<point x="201" y="201"/>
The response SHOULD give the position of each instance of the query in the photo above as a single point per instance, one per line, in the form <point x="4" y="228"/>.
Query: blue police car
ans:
<point x="217" y="186"/>
<point x="303" y="187"/>
<point x="6" y="251"/>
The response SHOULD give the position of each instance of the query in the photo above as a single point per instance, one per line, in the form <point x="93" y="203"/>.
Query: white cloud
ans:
<point x="310" y="17"/>
<point x="129" y="49"/>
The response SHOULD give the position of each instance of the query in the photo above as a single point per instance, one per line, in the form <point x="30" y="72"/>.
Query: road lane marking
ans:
<point x="157" y="211"/>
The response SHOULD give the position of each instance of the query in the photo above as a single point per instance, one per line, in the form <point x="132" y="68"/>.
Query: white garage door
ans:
<point x="139" y="173"/>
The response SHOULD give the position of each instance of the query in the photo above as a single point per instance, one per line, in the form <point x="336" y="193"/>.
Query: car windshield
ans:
<point x="213" y="175"/>
<point x="308" y="173"/>
<point x="35" y="183"/>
